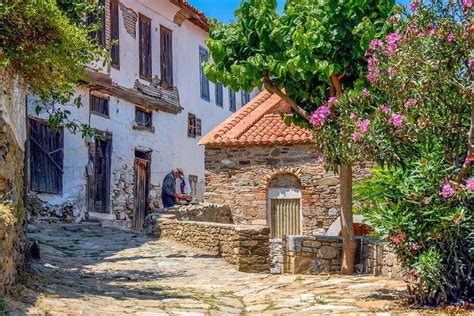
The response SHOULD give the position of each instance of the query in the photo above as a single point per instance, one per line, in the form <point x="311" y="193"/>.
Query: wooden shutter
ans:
<point x="46" y="157"/>
<point x="219" y="94"/>
<point x="204" y="82"/>
<point x="166" y="55"/>
<point x="285" y="217"/>
<point x="145" y="47"/>
<point x="232" y="101"/>
<point x="198" y="127"/>
<point x="192" y="125"/>
<point x="114" y="32"/>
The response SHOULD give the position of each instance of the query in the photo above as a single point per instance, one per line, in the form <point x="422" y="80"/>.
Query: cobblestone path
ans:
<point x="90" y="270"/>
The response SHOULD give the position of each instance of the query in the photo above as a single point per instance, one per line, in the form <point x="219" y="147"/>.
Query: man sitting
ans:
<point x="169" y="196"/>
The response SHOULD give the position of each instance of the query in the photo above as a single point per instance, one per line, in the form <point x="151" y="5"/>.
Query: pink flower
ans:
<point x="414" y="246"/>
<point x="409" y="103"/>
<point x="398" y="238"/>
<point x="447" y="191"/>
<point x="451" y="37"/>
<point x="375" y="43"/>
<point x="332" y="100"/>
<point x="414" y="6"/>
<point x="319" y="116"/>
<point x="365" y="92"/>
<point x="391" y="72"/>
<point x="394" y="18"/>
<point x="384" y="108"/>
<point x="471" y="63"/>
<point x="425" y="200"/>
<point x="467" y="3"/>
<point x="353" y="116"/>
<point x="470" y="184"/>
<point x="320" y="160"/>
<point x="432" y="30"/>
<point x="396" y="120"/>
<point x="356" y="137"/>
<point x="364" y="126"/>
<point x="393" y="41"/>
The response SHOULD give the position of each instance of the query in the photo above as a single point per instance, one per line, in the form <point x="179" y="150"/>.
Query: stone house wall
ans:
<point x="244" y="246"/>
<point x="240" y="177"/>
<point x="203" y="212"/>
<point x="12" y="214"/>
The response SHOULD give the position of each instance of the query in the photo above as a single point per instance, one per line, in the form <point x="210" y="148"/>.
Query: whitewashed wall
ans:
<point x="171" y="147"/>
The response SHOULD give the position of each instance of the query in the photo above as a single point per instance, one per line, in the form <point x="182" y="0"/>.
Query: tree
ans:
<point x="313" y="51"/>
<point x="421" y="111"/>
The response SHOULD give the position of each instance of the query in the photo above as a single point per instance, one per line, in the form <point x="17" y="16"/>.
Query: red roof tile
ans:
<point x="257" y="123"/>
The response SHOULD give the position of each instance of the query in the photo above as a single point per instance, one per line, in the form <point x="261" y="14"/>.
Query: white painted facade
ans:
<point x="170" y="144"/>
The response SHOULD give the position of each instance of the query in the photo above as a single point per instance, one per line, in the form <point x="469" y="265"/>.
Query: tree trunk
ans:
<point x="347" y="224"/>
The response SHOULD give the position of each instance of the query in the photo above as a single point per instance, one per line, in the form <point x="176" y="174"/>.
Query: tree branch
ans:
<point x="272" y="89"/>
<point x="336" y="82"/>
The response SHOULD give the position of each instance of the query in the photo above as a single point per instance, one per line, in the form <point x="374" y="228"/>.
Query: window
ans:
<point x="232" y="101"/>
<point x="46" y="146"/>
<point x="145" y="47"/>
<point x="98" y="18"/>
<point x="143" y="118"/>
<point x="245" y="98"/>
<point x="193" y="180"/>
<point x="219" y="94"/>
<point x="166" y="55"/>
<point x="114" y="33"/>
<point x="99" y="105"/>
<point x="194" y="126"/>
<point x="203" y="57"/>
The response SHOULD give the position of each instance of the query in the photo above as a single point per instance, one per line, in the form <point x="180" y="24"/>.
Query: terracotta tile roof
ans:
<point x="257" y="123"/>
<point x="191" y="13"/>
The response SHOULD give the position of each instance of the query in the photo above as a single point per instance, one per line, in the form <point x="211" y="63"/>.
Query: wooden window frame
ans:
<point x="203" y="80"/>
<point x="144" y="39"/>
<point x="244" y="97"/>
<point x="149" y="127"/>
<point x="53" y="159"/>
<point x="192" y="125"/>
<point x="93" y="96"/>
<point x="98" y="35"/>
<point x="219" y="94"/>
<point x="166" y="56"/>
<point x="232" y="101"/>
<point x="115" y="34"/>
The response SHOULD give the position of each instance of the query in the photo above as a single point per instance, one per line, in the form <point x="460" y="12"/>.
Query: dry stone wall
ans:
<point x="12" y="214"/>
<point x="380" y="259"/>
<point x="203" y="212"/>
<point x="240" y="177"/>
<point x="244" y="246"/>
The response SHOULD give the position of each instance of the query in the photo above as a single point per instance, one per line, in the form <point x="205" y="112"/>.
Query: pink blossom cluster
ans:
<point x="411" y="102"/>
<point x="332" y="100"/>
<point x="467" y="4"/>
<point x="470" y="184"/>
<point x="384" y="108"/>
<point x="373" y="70"/>
<point x="320" y="160"/>
<point x="396" y="120"/>
<point x="356" y="137"/>
<point x="414" y="246"/>
<point x="398" y="238"/>
<point x="414" y="6"/>
<point x="319" y="116"/>
<point x="375" y="44"/>
<point x="447" y="190"/>
<point x="471" y="63"/>
<point x="393" y="42"/>
<point x="451" y="37"/>
<point x="365" y="92"/>
<point x="394" y="18"/>
<point x="391" y="72"/>
<point x="364" y="126"/>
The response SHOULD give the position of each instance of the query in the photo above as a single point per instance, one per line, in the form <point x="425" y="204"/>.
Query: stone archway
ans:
<point x="284" y="214"/>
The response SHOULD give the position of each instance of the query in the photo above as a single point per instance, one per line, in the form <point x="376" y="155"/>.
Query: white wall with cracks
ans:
<point x="169" y="144"/>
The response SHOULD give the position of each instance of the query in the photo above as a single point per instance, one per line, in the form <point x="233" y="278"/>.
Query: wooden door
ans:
<point x="285" y="217"/>
<point x="141" y="192"/>
<point x="99" y="179"/>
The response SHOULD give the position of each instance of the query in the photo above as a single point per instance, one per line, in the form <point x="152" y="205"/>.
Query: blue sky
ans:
<point x="223" y="10"/>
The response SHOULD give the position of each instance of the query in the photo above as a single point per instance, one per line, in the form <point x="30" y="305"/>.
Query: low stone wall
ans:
<point x="245" y="246"/>
<point x="203" y="212"/>
<point x="380" y="259"/>
<point x="323" y="254"/>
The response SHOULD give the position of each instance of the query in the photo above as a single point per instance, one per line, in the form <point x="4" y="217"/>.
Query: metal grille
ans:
<point x="285" y="217"/>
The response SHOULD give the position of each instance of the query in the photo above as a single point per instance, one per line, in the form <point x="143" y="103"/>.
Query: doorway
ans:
<point x="142" y="167"/>
<point x="100" y="153"/>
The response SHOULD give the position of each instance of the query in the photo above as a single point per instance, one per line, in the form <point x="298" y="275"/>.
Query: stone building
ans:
<point x="150" y="104"/>
<point x="267" y="173"/>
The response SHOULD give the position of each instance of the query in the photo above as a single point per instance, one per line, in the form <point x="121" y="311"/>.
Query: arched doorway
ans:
<point x="284" y="206"/>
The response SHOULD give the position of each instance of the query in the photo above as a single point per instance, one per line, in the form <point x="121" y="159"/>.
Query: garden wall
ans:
<point x="12" y="151"/>
<point x="203" y="212"/>
<point x="244" y="246"/>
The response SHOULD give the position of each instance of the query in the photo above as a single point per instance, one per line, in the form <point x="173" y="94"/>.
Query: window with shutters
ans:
<point x="166" y="55"/>
<point x="46" y="146"/>
<point x="198" y="127"/>
<point x="191" y="125"/>
<point x="95" y="18"/>
<point x="232" y="101"/>
<point x="245" y="98"/>
<point x="145" y="47"/>
<point x="114" y="34"/>
<point x="219" y="94"/>
<point x="204" y="82"/>
<point x="143" y="118"/>
<point x="99" y="105"/>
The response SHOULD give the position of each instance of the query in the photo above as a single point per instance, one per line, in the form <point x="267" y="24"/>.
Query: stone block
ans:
<point x="320" y="266"/>
<point x="293" y="243"/>
<point x="327" y="252"/>
<point x="302" y="265"/>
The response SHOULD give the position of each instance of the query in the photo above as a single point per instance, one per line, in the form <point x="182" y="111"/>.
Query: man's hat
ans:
<point x="180" y="171"/>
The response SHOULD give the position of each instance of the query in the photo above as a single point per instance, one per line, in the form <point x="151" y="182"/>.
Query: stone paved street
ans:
<point x="90" y="270"/>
